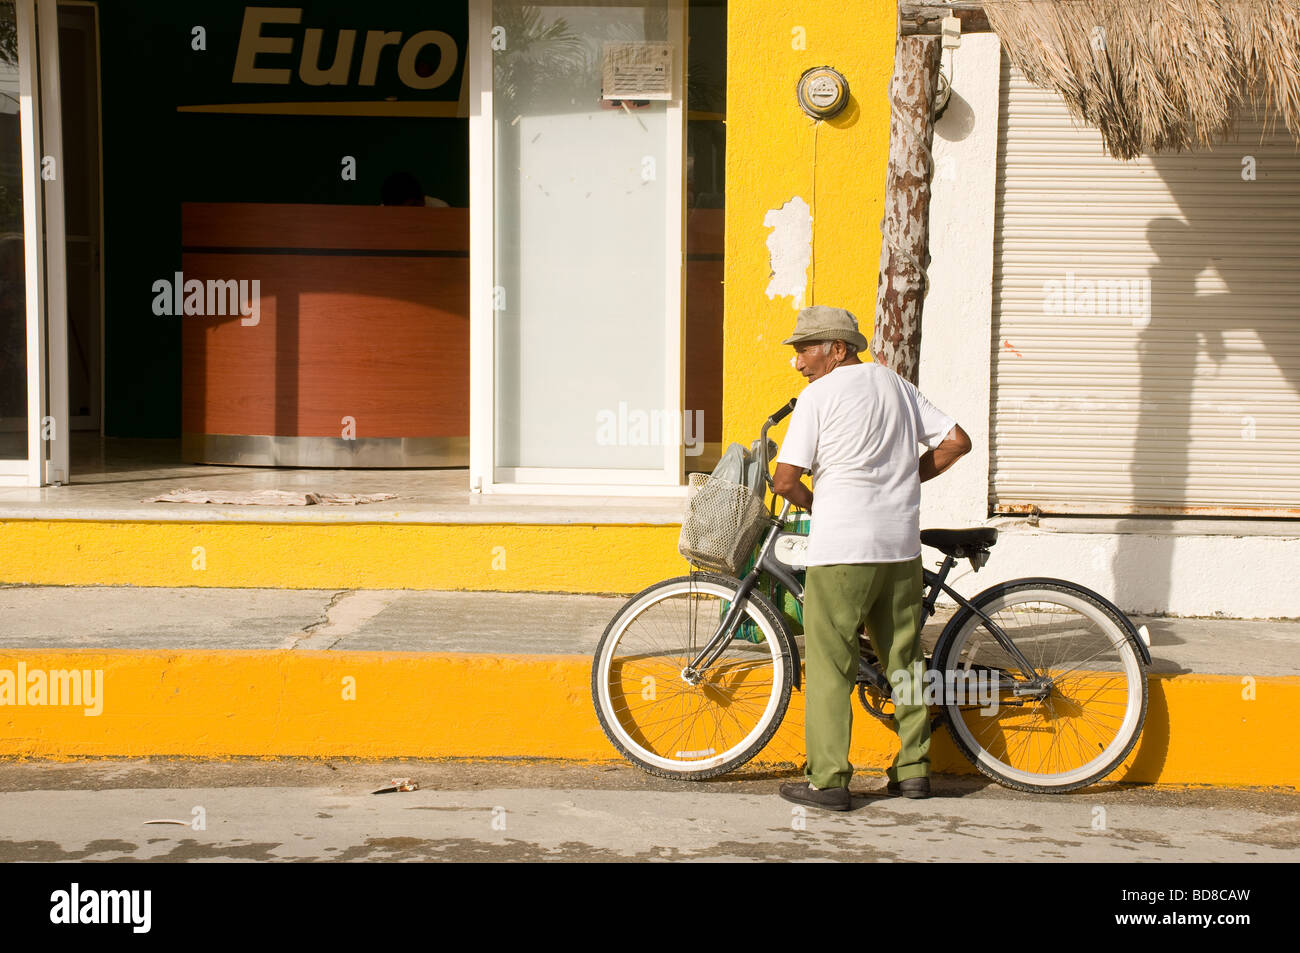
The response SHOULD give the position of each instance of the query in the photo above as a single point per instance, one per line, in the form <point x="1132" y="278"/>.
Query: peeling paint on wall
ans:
<point x="789" y="249"/>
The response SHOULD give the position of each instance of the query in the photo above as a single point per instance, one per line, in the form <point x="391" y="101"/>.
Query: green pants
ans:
<point x="837" y="601"/>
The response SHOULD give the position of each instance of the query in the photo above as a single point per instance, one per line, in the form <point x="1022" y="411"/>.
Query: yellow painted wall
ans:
<point x="770" y="160"/>
<point x="504" y="558"/>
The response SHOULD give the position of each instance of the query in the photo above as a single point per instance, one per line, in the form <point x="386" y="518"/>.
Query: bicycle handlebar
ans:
<point x="772" y="421"/>
<point x="783" y="413"/>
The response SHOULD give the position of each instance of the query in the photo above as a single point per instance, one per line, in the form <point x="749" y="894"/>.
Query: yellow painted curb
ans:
<point x="1200" y="729"/>
<point x="495" y="557"/>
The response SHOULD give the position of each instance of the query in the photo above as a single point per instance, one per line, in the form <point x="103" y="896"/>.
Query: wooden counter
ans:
<point x="364" y="324"/>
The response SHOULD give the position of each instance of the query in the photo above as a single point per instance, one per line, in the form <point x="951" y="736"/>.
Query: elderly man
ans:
<point x="857" y="428"/>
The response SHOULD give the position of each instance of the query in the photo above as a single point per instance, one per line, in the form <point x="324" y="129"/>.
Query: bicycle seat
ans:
<point x="960" y="543"/>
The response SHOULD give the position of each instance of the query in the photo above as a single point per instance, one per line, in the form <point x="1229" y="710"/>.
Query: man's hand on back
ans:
<point x="954" y="446"/>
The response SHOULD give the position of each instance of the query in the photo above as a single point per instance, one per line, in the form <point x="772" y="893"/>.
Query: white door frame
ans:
<point x="28" y="472"/>
<point x="56" y="241"/>
<point x="485" y="475"/>
<point x="44" y="249"/>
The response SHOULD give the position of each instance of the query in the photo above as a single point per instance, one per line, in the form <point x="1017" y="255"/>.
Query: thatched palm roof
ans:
<point x="1157" y="75"/>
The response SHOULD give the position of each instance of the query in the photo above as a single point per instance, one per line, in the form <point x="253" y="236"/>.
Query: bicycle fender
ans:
<point x="959" y="618"/>
<point x="947" y="635"/>
<point x="1128" y="624"/>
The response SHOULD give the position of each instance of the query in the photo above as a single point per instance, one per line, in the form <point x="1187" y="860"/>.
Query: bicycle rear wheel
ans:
<point x="662" y="722"/>
<point x="1083" y="722"/>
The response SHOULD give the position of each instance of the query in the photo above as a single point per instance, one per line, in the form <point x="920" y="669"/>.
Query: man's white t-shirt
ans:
<point x="857" y="429"/>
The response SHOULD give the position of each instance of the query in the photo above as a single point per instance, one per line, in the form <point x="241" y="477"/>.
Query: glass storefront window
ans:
<point x="587" y="208"/>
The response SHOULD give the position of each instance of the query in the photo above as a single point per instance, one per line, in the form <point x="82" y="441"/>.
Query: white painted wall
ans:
<point x="1238" y="569"/>
<point x="956" y="324"/>
<point x="1244" y="570"/>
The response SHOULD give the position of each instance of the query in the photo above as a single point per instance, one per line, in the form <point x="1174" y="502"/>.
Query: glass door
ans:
<point x="576" y="249"/>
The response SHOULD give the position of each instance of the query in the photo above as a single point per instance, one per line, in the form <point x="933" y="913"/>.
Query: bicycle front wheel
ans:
<point x="1067" y="719"/>
<point x="700" y="728"/>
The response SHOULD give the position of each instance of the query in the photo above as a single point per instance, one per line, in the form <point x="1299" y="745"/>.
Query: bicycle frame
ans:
<point x="932" y="583"/>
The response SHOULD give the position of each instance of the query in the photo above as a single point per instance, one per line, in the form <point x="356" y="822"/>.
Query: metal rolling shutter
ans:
<point x="1102" y="404"/>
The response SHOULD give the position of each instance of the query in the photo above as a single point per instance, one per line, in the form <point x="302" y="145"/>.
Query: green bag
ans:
<point x="789" y="607"/>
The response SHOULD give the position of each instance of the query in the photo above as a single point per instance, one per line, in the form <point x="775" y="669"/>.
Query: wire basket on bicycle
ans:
<point x="725" y="513"/>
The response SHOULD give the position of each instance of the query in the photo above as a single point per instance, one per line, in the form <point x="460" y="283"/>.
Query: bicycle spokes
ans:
<point x="1060" y="718"/>
<point x="673" y="716"/>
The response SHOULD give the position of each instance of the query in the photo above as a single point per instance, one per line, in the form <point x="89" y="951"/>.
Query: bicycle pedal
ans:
<point x="872" y="676"/>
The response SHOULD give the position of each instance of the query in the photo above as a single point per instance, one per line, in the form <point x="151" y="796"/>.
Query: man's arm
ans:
<point x="954" y="446"/>
<point x="788" y="482"/>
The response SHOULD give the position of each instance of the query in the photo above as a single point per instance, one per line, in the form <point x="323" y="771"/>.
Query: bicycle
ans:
<point x="1057" y="671"/>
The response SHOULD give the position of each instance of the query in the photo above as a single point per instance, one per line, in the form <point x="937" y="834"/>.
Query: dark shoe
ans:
<point x="830" y="799"/>
<point x="912" y="787"/>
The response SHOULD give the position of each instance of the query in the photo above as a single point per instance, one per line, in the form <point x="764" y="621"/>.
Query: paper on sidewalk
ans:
<point x="269" y="497"/>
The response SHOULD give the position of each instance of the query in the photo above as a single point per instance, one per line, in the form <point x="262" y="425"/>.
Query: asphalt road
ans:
<point x="529" y="811"/>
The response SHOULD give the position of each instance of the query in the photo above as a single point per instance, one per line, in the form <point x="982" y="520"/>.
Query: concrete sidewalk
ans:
<point x="499" y="623"/>
<point x="545" y="811"/>
<point x="221" y="673"/>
